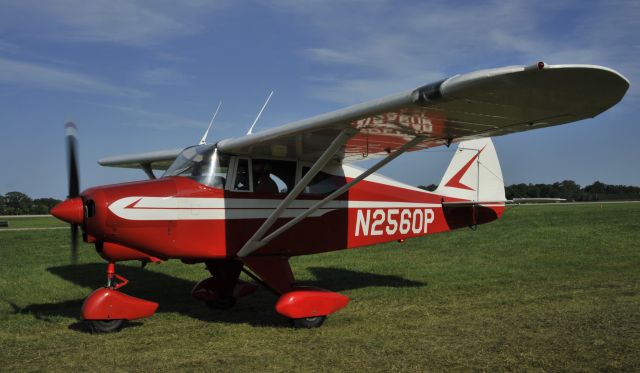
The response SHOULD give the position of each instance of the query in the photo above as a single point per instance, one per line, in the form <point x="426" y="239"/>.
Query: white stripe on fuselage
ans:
<point x="187" y="208"/>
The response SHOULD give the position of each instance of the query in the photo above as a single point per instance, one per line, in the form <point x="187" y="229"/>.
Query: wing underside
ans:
<point x="484" y="103"/>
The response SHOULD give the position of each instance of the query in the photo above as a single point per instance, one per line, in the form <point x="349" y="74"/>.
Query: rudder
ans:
<point x="474" y="173"/>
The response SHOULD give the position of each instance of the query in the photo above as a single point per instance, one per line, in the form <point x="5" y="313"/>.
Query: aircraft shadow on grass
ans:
<point x="174" y="293"/>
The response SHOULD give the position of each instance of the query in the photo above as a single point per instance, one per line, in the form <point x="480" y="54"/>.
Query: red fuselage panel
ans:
<point x="177" y="217"/>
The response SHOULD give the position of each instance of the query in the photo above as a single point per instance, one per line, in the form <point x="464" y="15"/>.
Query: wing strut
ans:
<point x="148" y="170"/>
<point x="254" y="243"/>
<point x="259" y="243"/>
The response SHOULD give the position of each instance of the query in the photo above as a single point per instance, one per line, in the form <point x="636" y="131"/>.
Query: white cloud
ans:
<point x="328" y="55"/>
<point x="384" y="44"/>
<point x="162" y="76"/>
<point x="352" y="91"/>
<point x="134" y="116"/>
<point x="137" y="23"/>
<point x="52" y="78"/>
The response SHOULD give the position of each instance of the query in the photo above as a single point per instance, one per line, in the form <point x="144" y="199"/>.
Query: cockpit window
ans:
<point x="242" y="175"/>
<point x="202" y="163"/>
<point x="323" y="182"/>
<point x="271" y="176"/>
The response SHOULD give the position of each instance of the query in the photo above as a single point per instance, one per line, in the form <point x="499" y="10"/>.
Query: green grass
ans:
<point x="547" y="288"/>
<point x="44" y="221"/>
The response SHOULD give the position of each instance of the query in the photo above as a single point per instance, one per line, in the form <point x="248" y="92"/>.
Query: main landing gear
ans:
<point x="306" y="307"/>
<point x="222" y="290"/>
<point x="106" y="309"/>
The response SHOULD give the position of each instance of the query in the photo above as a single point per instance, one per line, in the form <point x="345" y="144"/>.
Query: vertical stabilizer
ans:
<point x="474" y="173"/>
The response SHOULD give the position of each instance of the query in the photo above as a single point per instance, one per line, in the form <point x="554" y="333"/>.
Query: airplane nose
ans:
<point x="69" y="210"/>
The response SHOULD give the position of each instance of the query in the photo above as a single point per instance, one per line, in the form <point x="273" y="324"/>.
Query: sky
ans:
<point x="139" y="76"/>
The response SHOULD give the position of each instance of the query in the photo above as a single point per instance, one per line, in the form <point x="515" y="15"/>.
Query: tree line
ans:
<point x="569" y="190"/>
<point x="17" y="203"/>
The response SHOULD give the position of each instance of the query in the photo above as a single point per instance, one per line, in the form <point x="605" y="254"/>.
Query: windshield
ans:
<point x="202" y="163"/>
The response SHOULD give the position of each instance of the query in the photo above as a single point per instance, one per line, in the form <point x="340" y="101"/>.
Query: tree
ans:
<point x="18" y="203"/>
<point x="516" y="191"/>
<point x="569" y="189"/>
<point x="596" y="187"/>
<point x="43" y="205"/>
<point x="3" y="206"/>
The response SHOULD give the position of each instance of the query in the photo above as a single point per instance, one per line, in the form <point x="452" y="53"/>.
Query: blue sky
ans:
<point x="147" y="75"/>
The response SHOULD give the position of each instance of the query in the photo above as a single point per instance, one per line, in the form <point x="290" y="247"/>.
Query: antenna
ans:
<point x="259" y="114"/>
<point x="206" y="133"/>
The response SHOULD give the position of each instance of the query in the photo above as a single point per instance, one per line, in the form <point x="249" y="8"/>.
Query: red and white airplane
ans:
<point x="249" y="204"/>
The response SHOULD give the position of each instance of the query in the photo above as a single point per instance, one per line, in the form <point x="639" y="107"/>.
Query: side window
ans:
<point x="323" y="182"/>
<point x="271" y="176"/>
<point x="242" y="175"/>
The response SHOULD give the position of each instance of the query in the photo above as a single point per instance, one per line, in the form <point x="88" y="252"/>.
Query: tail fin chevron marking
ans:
<point x="454" y="182"/>
<point x="473" y="176"/>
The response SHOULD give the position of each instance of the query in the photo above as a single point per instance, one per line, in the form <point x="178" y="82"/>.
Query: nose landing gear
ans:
<point x="106" y="309"/>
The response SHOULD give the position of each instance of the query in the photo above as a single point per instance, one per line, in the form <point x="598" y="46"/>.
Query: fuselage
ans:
<point x="180" y="216"/>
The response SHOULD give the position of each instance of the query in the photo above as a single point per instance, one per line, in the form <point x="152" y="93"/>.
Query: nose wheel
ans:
<point x="105" y="326"/>
<point x="309" y="322"/>
<point x="114" y="282"/>
<point x="107" y="309"/>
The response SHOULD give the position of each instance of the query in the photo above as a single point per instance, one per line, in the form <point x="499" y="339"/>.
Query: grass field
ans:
<point x="547" y="288"/>
<point x="32" y="222"/>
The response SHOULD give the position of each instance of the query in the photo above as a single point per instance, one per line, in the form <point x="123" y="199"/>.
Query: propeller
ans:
<point x="73" y="181"/>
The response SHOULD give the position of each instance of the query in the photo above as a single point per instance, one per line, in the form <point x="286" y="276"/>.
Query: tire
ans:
<point x="221" y="303"/>
<point x="309" y="322"/>
<point x="105" y="326"/>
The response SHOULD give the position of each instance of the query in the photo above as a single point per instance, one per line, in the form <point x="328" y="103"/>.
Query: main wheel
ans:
<point x="105" y="326"/>
<point x="309" y="322"/>
<point x="221" y="303"/>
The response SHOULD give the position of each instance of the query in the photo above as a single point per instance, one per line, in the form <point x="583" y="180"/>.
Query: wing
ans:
<point x="158" y="160"/>
<point x="484" y="103"/>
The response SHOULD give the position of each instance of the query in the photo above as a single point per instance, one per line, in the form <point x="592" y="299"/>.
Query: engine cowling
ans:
<point x="113" y="252"/>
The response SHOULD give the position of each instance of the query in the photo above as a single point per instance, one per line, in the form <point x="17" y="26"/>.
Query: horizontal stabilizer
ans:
<point x="157" y="160"/>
